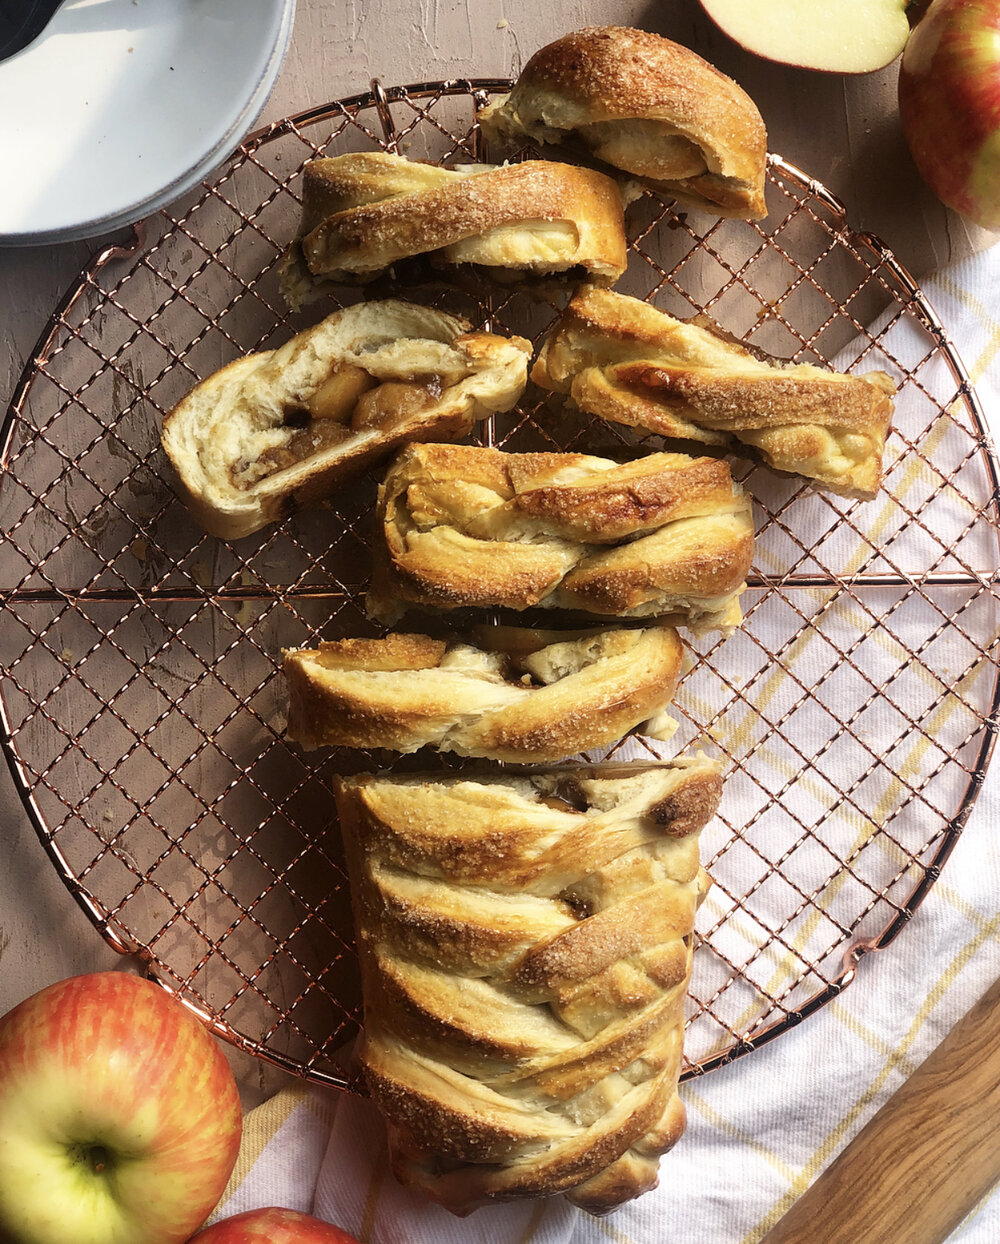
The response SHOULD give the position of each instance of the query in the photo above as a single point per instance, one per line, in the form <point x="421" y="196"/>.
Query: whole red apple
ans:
<point x="119" y="1116"/>
<point x="272" y="1226"/>
<point x="949" y="101"/>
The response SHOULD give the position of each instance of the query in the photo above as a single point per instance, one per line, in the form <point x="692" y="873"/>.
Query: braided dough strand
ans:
<point x="666" y="535"/>
<point x="627" y="362"/>
<point x="522" y="695"/>
<point x="364" y="212"/>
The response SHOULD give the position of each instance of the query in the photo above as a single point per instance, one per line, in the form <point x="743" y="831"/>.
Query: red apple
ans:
<point x="119" y="1116"/>
<point x="949" y="100"/>
<point x="272" y="1226"/>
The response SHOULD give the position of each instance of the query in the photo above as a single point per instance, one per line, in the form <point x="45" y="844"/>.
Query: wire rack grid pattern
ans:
<point x="141" y="692"/>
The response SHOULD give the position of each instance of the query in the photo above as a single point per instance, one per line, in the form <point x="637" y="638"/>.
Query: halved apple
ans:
<point x="839" y="36"/>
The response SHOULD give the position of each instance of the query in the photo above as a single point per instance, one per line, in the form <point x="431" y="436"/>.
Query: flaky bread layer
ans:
<point x="364" y="212"/>
<point x="458" y="526"/>
<point x="220" y="434"/>
<point x="625" y="361"/>
<point x="523" y="695"/>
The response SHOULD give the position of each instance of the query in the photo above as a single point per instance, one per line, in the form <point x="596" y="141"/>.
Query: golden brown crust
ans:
<point x="534" y="1047"/>
<point x="561" y="693"/>
<point x="666" y="535"/>
<point x="647" y="106"/>
<point x="364" y="212"/>
<point x="626" y="361"/>
<point x="230" y="438"/>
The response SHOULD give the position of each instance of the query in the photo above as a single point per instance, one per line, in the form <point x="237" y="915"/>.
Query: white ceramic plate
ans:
<point x="121" y="106"/>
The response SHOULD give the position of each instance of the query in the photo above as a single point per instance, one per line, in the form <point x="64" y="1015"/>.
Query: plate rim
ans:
<point x="95" y="227"/>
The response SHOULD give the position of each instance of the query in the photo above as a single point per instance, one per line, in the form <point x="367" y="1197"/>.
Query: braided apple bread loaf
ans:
<point x="274" y="430"/>
<point x="523" y="695"/>
<point x="461" y="525"/>
<point x="525" y="947"/>
<point x="627" y="362"/>
<point x="364" y="212"/>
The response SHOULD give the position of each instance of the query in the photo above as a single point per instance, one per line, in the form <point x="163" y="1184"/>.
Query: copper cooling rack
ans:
<point x="141" y="696"/>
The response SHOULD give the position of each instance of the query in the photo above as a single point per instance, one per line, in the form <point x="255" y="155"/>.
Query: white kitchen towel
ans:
<point x="760" y="1130"/>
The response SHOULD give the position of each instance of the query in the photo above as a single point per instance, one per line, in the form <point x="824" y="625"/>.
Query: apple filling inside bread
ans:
<point x="349" y="401"/>
<point x="649" y="148"/>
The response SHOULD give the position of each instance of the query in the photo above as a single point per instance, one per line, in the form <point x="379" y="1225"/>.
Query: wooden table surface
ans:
<point x="844" y="131"/>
